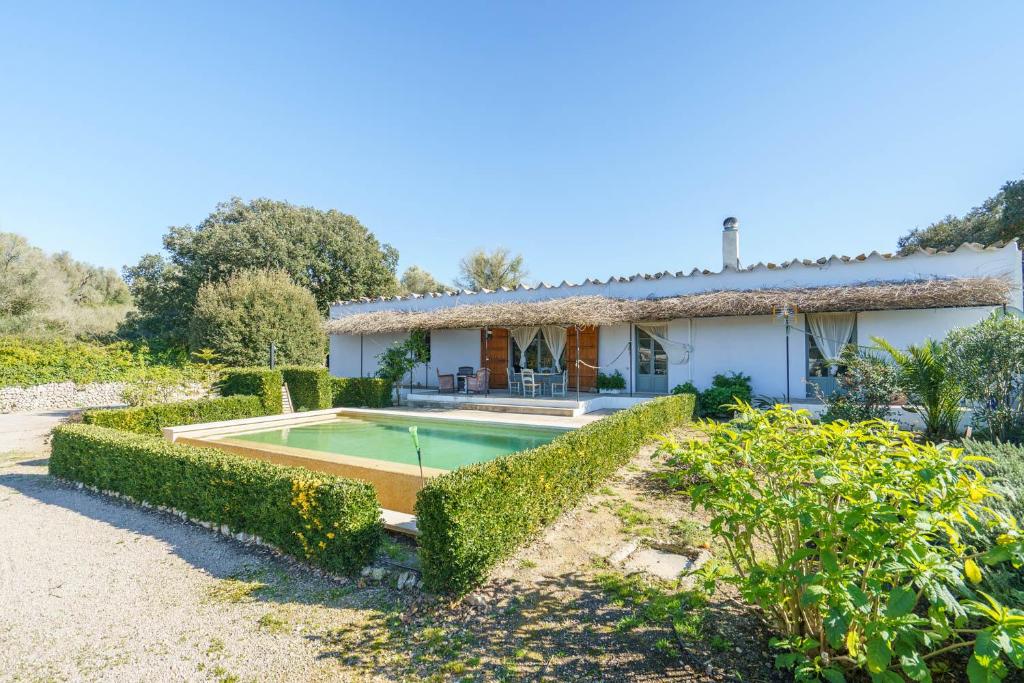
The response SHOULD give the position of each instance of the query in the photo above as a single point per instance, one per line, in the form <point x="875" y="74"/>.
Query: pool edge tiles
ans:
<point x="396" y="483"/>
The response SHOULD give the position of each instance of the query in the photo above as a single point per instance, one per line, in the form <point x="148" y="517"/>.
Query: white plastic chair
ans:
<point x="530" y="383"/>
<point x="558" y="388"/>
<point x="514" y="385"/>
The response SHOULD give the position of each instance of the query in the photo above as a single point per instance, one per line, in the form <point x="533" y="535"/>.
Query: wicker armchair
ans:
<point x="445" y="383"/>
<point x="479" y="382"/>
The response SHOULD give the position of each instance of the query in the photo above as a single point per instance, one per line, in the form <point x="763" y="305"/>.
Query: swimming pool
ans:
<point x="445" y="444"/>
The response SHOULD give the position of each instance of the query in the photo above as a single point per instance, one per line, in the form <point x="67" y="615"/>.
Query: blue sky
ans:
<point x="595" y="138"/>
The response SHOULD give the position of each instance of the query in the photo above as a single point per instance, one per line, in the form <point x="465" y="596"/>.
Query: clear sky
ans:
<point x="595" y="138"/>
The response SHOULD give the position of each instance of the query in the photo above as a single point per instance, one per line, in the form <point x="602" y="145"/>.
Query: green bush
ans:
<point x="1006" y="469"/>
<point x="240" y="317"/>
<point x="310" y="387"/>
<point x="262" y="382"/>
<point x="847" y="537"/>
<point x="471" y="518"/>
<point x="868" y="386"/>
<point x="28" y="363"/>
<point x="986" y="359"/>
<point x="724" y="390"/>
<point x="329" y="521"/>
<point x="151" y="419"/>
<point x="360" y="392"/>
<point x="612" y="381"/>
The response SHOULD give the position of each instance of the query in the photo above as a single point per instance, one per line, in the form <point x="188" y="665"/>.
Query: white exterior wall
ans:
<point x="902" y="328"/>
<point x="344" y="349"/>
<point x="611" y="340"/>
<point x="451" y="348"/>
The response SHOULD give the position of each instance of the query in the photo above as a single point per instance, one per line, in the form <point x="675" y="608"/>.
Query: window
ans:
<point x="817" y="364"/>
<point x="538" y="355"/>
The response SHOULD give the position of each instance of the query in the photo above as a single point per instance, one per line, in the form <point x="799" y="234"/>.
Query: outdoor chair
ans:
<point x="479" y="382"/>
<point x="460" y="376"/>
<point x="514" y="385"/>
<point x="445" y="383"/>
<point x="559" y="385"/>
<point x="530" y="383"/>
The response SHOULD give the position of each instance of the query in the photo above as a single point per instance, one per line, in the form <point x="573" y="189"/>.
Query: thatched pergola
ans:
<point x="600" y="310"/>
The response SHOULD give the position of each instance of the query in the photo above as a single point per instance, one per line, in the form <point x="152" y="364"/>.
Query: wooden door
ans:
<point x="588" y="354"/>
<point x="494" y="355"/>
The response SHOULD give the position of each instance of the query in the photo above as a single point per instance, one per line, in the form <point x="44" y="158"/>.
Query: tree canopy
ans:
<point x="999" y="219"/>
<point x="415" y="280"/>
<point x="329" y="253"/>
<point x="494" y="270"/>
<point x="239" y="317"/>
<point x="44" y="295"/>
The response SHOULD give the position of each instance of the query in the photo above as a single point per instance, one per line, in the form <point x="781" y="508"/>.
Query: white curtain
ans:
<point x="554" y="337"/>
<point x="831" y="332"/>
<point x="524" y="337"/>
<point x="678" y="352"/>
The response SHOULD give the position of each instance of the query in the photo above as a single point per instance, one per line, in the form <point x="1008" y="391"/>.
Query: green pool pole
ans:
<point x="419" y="454"/>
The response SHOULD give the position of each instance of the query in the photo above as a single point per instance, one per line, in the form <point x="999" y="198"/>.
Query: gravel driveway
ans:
<point x="92" y="589"/>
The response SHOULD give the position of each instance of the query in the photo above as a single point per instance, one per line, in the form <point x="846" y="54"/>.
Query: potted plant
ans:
<point x="610" y="384"/>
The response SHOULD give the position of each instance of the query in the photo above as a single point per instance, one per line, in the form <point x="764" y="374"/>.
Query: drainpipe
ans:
<point x="577" y="364"/>
<point x="630" y="346"/>
<point x="361" y="355"/>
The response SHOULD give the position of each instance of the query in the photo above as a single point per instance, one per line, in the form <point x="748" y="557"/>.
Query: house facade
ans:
<point x="781" y="324"/>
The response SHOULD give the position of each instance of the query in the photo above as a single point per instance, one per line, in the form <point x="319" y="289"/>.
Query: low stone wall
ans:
<point x="65" y="395"/>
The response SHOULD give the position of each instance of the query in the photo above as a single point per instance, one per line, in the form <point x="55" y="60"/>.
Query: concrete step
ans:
<point x="521" y="410"/>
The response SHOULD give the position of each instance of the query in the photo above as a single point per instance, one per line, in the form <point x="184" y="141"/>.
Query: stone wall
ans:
<point x="64" y="395"/>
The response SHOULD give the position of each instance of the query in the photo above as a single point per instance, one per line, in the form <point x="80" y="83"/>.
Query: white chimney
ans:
<point x="731" y="243"/>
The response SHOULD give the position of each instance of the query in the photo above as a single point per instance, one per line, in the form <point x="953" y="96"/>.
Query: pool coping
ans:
<point x="396" y="483"/>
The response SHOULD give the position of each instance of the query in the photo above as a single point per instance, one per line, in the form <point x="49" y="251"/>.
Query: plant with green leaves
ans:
<point x="934" y="392"/>
<point x="868" y="387"/>
<point x="988" y="359"/>
<point x="396" y="361"/>
<point x="612" y="381"/>
<point x="848" y="537"/>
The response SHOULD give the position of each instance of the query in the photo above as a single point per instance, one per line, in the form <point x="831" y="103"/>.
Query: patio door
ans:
<point x="651" y="365"/>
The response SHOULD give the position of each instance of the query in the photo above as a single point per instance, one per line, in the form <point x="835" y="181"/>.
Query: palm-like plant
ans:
<point x="931" y="389"/>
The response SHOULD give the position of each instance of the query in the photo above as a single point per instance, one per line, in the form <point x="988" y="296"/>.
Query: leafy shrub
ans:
<point x="360" y="392"/>
<point x="724" y="391"/>
<point x="28" y="363"/>
<point x="262" y="382"/>
<point x="151" y="419"/>
<point x="868" y="386"/>
<point x="612" y="381"/>
<point x="988" y="362"/>
<point x="847" y="537"/>
<point x="1006" y="469"/>
<point x="310" y="388"/>
<point x="240" y="317"/>
<point x="933" y="391"/>
<point x="398" y="360"/>
<point x="471" y="518"/>
<point x="329" y="521"/>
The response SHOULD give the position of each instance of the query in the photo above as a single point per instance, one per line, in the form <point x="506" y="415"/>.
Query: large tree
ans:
<point x="329" y="253"/>
<point x="998" y="219"/>
<point x="415" y="280"/>
<point x="43" y="295"/>
<point x="482" y="270"/>
<point x="239" y="317"/>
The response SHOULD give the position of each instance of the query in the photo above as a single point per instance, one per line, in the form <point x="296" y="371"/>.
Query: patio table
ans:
<point x="544" y="379"/>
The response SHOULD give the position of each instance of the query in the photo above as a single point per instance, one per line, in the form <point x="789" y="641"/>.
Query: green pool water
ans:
<point x="445" y="445"/>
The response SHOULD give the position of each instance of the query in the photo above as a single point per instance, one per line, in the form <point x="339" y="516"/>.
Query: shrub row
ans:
<point x="360" y="392"/>
<point x="310" y="387"/>
<point x="327" y="520"/>
<point x="471" y="518"/>
<point x="151" y="419"/>
<point x="262" y="382"/>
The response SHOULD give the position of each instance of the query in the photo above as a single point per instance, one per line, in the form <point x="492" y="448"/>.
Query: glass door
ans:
<point x="651" y="365"/>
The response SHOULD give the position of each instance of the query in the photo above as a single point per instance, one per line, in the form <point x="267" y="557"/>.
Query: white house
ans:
<point x="777" y="323"/>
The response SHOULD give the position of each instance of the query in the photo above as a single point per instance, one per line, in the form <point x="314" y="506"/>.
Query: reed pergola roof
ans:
<point x="600" y="310"/>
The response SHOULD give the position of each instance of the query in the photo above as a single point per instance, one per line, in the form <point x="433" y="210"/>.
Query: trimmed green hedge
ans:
<point x="327" y="520"/>
<point x="310" y="387"/>
<point x="360" y="392"/>
<point x="473" y="517"/>
<point x="151" y="419"/>
<point x="262" y="382"/>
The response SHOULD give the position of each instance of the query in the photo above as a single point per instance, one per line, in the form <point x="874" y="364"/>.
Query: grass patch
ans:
<point x="234" y="590"/>
<point x="634" y="521"/>
<point x="272" y="623"/>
